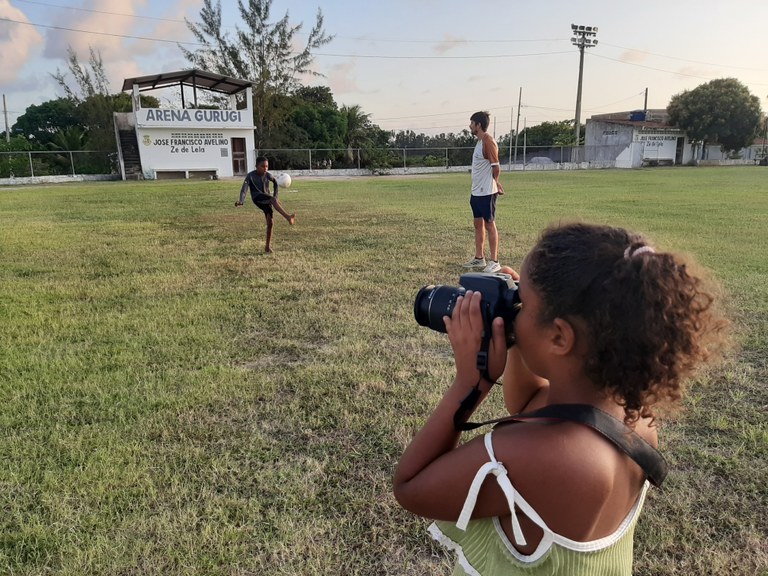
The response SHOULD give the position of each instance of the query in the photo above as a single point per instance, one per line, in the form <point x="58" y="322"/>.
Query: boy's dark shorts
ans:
<point x="484" y="207"/>
<point x="264" y="203"/>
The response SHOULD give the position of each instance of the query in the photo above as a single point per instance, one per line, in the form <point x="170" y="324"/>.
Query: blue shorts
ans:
<point x="484" y="207"/>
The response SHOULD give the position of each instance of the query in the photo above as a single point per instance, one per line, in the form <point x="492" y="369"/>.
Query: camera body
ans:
<point x="500" y="299"/>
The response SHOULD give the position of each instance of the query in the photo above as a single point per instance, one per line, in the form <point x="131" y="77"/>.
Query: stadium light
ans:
<point x="582" y="38"/>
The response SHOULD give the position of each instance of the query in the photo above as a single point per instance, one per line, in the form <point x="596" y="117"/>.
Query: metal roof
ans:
<point x="194" y="78"/>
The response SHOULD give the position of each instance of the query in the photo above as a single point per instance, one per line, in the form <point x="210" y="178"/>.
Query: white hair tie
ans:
<point x="628" y="253"/>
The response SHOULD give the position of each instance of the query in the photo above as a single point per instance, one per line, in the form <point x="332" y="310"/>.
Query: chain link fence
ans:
<point x="34" y="164"/>
<point x="433" y="157"/>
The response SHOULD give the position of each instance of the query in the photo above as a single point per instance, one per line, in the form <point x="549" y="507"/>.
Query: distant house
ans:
<point x="636" y="138"/>
<point x="646" y="138"/>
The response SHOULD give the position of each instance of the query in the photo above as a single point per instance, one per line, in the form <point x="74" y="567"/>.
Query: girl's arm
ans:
<point x="434" y="474"/>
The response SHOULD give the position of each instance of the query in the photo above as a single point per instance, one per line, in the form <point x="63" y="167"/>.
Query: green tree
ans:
<point x="14" y="164"/>
<point x="323" y="126"/>
<point x="89" y="102"/>
<point x="317" y="95"/>
<point x="40" y="122"/>
<point x="89" y="82"/>
<point x="71" y="138"/>
<point x="358" y="130"/>
<point x="95" y="115"/>
<point x="262" y="52"/>
<point x="409" y="139"/>
<point x="721" y="111"/>
<point x="463" y="139"/>
<point x="550" y="134"/>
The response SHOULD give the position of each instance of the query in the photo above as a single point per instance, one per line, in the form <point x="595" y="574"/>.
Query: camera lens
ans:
<point x="434" y="302"/>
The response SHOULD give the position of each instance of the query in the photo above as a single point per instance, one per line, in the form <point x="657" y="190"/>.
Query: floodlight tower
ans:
<point x="582" y="38"/>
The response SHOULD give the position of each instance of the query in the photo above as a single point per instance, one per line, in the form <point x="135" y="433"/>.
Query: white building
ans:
<point x="636" y="139"/>
<point x="187" y="142"/>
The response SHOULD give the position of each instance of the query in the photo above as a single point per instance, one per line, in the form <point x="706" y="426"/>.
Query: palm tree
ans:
<point x="358" y="126"/>
<point x="69" y="138"/>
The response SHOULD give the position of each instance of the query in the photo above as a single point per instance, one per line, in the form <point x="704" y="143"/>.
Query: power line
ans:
<point x="387" y="40"/>
<point x="484" y="57"/>
<point x="683" y="59"/>
<point x="355" y="38"/>
<point x="666" y="71"/>
<point x="370" y="56"/>
<point x="102" y="12"/>
<point x="331" y="55"/>
<point x="127" y="36"/>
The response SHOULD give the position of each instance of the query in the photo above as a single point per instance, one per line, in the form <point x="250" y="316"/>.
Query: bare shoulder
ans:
<point x="576" y="480"/>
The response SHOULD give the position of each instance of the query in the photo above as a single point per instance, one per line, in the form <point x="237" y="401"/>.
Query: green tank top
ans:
<point x="483" y="548"/>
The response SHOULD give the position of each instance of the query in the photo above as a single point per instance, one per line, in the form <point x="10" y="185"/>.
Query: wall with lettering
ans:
<point x="657" y="146"/>
<point x="190" y="148"/>
<point x="607" y="134"/>
<point x="180" y="118"/>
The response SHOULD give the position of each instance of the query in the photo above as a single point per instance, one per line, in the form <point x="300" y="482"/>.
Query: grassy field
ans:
<point x="173" y="401"/>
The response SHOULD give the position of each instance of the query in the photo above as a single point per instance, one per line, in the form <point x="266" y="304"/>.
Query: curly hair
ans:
<point x="651" y="321"/>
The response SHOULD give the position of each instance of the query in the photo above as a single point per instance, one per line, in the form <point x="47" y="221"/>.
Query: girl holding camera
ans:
<point x="607" y="325"/>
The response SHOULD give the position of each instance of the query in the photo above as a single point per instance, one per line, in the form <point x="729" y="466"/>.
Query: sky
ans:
<point x="421" y="65"/>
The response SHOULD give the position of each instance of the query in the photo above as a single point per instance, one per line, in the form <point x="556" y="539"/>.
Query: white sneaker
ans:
<point x="475" y="263"/>
<point x="492" y="267"/>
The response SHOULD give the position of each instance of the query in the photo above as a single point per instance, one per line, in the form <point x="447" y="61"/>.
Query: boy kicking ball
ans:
<point x="258" y="182"/>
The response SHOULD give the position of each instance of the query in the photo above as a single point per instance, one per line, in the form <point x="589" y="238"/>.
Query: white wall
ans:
<point x="657" y="146"/>
<point x="189" y="148"/>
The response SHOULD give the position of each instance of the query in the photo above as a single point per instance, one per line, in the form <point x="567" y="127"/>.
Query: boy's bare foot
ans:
<point x="292" y="219"/>
<point x="267" y="250"/>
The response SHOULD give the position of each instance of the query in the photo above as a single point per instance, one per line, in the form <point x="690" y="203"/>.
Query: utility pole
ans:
<point x="517" y="126"/>
<point x="582" y="38"/>
<point x="5" y="113"/>
<point x="645" y="103"/>
<point x="511" y="121"/>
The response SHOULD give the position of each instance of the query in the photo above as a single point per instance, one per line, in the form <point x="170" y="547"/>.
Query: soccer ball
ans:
<point x="284" y="181"/>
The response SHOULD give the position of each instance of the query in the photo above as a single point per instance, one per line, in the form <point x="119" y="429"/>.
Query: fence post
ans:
<point x="310" y="159"/>
<point x="404" y="166"/>
<point x="72" y="163"/>
<point x="358" y="158"/>
<point x="446" y="158"/>
<point x="31" y="168"/>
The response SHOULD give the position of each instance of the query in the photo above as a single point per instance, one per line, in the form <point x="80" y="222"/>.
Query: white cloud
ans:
<point x="17" y="42"/>
<point x="449" y="42"/>
<point x="128" y="44"/>
<point x="341" y="78"/>
<point x="633" y="56"/>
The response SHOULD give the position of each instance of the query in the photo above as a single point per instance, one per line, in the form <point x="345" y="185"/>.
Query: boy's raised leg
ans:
<point x="290" y="217"/>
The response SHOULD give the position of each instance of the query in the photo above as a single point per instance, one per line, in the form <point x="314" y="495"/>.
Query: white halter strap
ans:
<point x="514" y="499"/>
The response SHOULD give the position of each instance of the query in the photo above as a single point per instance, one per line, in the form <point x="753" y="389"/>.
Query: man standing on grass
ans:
<point x="257" y="181"/>
<point x="485" y="189"/>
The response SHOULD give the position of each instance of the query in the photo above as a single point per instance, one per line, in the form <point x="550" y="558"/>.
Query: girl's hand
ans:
<point x="511" y="271"/>
<point x="465" y="332"/>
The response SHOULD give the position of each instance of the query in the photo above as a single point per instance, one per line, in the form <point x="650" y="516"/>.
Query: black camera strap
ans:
<point x="622" y="436"/>
<point x="482" y="358"/>
<point x="470" y="400"/>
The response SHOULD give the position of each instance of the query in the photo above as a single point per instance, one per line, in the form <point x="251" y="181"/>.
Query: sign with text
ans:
<point x="658" y="146"/>
<point x="175" y="118"/>
<point x="189" y="149"/>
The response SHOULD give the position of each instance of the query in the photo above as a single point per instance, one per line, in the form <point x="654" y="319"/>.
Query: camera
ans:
<point x="500" y="299"/>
